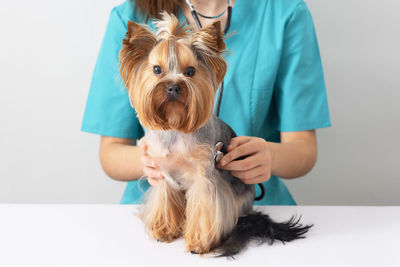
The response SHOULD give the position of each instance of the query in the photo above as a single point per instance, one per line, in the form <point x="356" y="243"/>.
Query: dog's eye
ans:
<point x="157" y="70"/>
<point x="189" y="71"/>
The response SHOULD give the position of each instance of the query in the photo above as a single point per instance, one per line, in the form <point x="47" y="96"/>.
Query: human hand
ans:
<point x="255" y="167"/>
<point x="150" y="167"/>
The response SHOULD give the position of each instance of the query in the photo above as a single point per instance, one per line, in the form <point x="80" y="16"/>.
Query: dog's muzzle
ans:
<point x="173" y="91"/>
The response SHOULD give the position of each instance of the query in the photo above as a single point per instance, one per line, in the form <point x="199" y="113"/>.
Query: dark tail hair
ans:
<point x="260" y="227"/>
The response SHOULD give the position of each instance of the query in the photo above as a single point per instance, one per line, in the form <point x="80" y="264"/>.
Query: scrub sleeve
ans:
<point x="300" y="92"/>
<point x="299" y="100"/>
<point x="108" y="110"/>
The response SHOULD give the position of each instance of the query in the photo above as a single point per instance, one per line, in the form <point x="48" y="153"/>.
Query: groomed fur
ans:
<point x="208" y="207"/>
<point x="164" y="214"/>
<point x="174" y="48"/>
<point x="261" y="228"/>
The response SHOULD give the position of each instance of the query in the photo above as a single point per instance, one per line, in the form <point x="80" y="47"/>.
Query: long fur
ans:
<point x="206" y="206"/>
<point x="164" y="214"/>
<point x="261" y="228"/>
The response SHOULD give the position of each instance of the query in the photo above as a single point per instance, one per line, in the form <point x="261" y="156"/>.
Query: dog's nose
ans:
<point x="173" y="90"/>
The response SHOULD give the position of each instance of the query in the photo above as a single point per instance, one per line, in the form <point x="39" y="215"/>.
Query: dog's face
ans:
<point x="172" y="76"/>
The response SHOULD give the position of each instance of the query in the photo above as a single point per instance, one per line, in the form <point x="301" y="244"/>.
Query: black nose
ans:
<point x="173" y="90"/>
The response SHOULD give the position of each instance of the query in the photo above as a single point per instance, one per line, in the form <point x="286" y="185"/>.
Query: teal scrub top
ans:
<point x="274" y="81"/>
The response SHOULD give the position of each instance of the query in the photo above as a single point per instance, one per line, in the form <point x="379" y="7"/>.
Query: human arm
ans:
<point x="299" y="103"/>
<point x="108" y="111"/>
<point x="124" y="161"/>
<point x="120" y="158"/>
<point x="295" y="156"/>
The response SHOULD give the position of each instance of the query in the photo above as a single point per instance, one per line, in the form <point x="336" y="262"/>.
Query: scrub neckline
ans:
<point x="182" y="18"/>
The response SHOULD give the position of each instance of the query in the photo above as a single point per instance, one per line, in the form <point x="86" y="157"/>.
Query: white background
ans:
<point x="111" y="235"/>
<point x="47" y="54"/>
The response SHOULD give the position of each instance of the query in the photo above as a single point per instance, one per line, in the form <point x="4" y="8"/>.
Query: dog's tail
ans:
<point x="261" y="228"/>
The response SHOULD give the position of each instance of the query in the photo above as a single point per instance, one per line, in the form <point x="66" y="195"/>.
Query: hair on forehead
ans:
<point x="169" y="26"/>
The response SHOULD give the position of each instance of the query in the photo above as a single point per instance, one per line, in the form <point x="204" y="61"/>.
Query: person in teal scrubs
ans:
<point x="274" y="96"/>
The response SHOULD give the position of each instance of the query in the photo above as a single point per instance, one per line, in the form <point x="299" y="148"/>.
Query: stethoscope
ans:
<point x="227" y="25"/>
<point x="195" y="15"/>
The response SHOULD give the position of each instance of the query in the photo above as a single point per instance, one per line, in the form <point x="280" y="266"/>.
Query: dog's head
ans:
<point x="172" y="76"/>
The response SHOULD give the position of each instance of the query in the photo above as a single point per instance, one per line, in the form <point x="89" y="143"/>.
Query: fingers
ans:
<point x="150" y="169"/>
<point x="249" y="179"/>
<point x="152" y="172"/>
<point x="153" y="181"/>
<point x="143" y="145"/>
<point x="244" y="149"/>
<point x="244" y="164"/>
<point x="148" y="162"/>
<point x="248" y="159"/>
<point x="257" y="180"/>
<point x="236" y="141"/>
<point x="153" y="175"/>
<point x="253" y="175"/>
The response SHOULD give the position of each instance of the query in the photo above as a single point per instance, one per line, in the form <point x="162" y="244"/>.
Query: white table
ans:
<point x="111" y="235"/>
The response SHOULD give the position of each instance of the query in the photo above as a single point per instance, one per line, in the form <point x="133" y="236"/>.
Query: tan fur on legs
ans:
<point x="164" y="212"/>
<point x="211" y="209"/>
<point x="210" y="215"/>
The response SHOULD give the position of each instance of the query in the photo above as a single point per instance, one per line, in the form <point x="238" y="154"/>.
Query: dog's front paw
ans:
<point x="166" y="235"/>
<point x="200" y="235"/>
<point x="197" y="248"/>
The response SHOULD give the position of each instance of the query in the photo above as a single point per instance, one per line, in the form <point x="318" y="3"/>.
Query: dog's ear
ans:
<point x="136" y="46"/>
<point x="208" y="45"/>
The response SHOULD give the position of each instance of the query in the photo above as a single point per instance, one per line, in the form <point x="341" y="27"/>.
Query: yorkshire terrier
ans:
<point x="172" y="77"/>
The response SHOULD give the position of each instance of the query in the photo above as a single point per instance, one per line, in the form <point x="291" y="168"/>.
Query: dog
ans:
<point x="172" y="77"/>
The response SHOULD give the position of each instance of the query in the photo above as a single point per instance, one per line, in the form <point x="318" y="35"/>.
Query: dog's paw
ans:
<point x="198" y="250"/>
<point x="165" y="236"/>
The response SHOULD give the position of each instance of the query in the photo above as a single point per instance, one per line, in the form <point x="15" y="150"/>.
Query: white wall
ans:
<point x="47" y="54"/>
<point x="359" y="161"/>
<point x="48" y="51"/>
